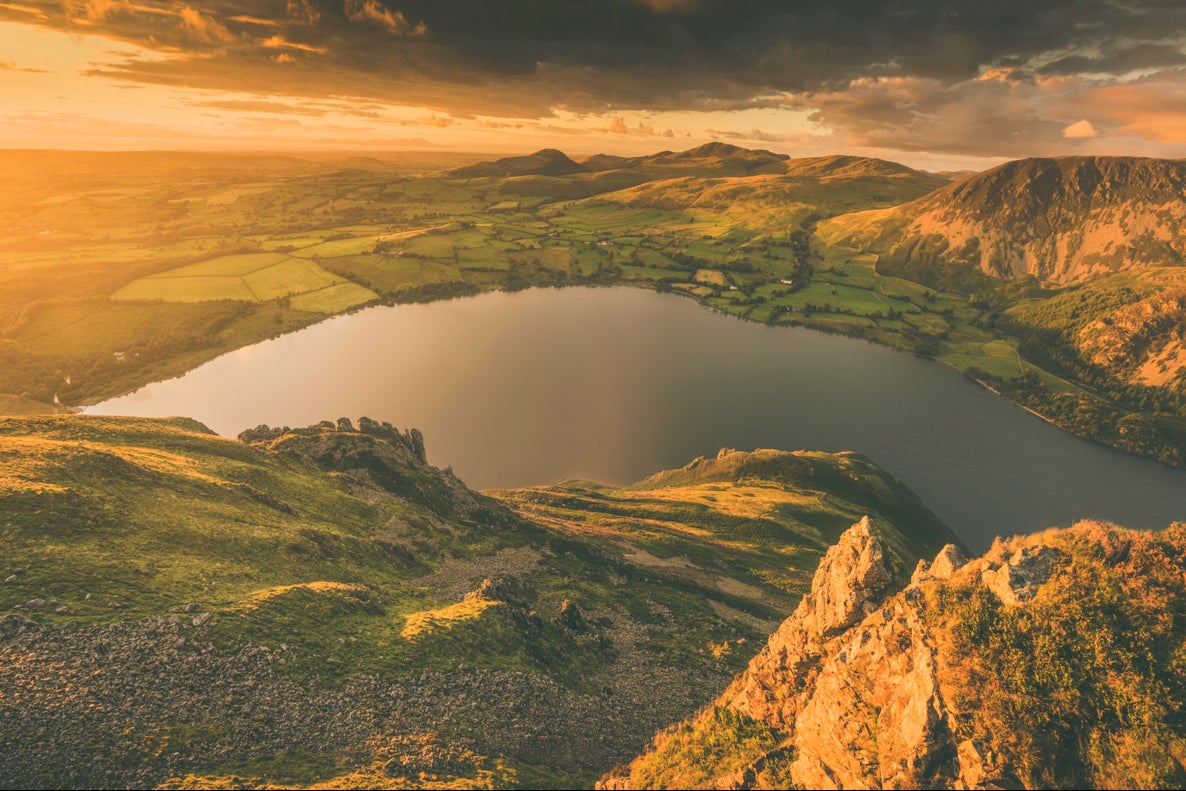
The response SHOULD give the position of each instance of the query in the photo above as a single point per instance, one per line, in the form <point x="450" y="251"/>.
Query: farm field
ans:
<point x="257" y="277"/>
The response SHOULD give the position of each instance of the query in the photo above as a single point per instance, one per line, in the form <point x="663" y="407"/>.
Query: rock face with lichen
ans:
<point x="955" y="678"/>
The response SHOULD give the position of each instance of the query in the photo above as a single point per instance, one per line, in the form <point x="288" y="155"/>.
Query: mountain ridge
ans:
<point x="1061" y="220"/>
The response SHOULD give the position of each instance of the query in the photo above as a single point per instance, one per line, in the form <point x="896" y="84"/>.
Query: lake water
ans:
<point x="615" y="384"/>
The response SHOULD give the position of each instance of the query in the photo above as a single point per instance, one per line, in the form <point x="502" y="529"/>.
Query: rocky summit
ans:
<point x="1017" y="669"/>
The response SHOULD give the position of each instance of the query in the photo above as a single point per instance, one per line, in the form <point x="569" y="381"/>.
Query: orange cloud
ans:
<point x="244" y="19"/>
<point x="23" y="9"/>
<point x="279" y="42"/>
<point x="92" y="11"/>
<point x="204" y="27"/>
<point x="1154" y="109"/>
<point x="394" y="21"/>
<point x="1081" y="130"/>
<point x="618" y="126"/>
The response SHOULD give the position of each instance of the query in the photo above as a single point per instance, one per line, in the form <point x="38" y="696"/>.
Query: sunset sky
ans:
<point x="934" y="84"/>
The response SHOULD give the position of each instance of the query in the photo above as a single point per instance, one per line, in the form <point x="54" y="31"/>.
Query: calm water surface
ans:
<point x="615" y="384"/>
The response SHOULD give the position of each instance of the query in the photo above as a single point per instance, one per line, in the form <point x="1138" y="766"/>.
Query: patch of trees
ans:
<point x="802" y="255"/>
<point x="430" y="292"/>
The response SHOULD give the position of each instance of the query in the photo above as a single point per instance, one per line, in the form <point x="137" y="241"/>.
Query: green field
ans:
<point x="333" y="299"/>
<point x="255" y="277"/>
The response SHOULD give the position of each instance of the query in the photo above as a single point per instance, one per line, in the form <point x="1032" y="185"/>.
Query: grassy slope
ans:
<point x="361" y="560"/>
<point x="747" y="528"/>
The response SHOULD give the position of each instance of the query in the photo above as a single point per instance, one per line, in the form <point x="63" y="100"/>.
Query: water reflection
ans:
<point x="614" y="384"/>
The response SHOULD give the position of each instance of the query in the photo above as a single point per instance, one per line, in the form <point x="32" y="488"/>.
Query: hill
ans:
<point x="778" y="193"/>
<point x="545" y="162"/>
<point x="841" y="166"/>
<point x="319" y="605"/>
<point x="1052" y="661"/>
<point x="712" y="159"/>
<point x="1058" y="220"/>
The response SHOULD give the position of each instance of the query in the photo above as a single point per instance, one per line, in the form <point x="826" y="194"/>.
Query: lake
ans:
<point x="613" y="384"/>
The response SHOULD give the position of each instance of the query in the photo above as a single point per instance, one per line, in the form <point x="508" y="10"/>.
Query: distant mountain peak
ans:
<point x="545" y="162"/>
<point x="719" y="149"/>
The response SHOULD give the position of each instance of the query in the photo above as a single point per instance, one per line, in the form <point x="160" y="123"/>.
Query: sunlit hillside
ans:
<point x="315" y="603"/>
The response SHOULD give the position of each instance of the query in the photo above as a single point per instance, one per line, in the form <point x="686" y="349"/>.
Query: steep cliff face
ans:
<point x="984" y="674"/>
<point x="1064" y="220"/>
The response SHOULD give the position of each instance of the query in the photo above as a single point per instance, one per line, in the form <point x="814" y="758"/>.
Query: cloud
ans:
<point x="303" y="12"/>
<point x="394" y="21"/>
<point x="1007" y="114"/>
<point x="618" y="126"/>
<point x="1080" y="130"/>
<point x="8" y="65"/>
<point x="1153" y="108"/>
<point x="439" y="121"/>
<point x="1005" y="78"/>
<point x="204" y="27"/>
<point x="260" y="106"/>
<point x="246" y="19"/>
<point x="279" y="42"/>
<point x="23" y="9"/>
<point x="760" y="136"/>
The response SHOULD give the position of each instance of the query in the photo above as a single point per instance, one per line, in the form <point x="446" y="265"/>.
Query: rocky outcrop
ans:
<point x="849" y="584"/>
<point x="852" y="684"/>
<point x="411" y="440"/>
<point x="868" y="712"/>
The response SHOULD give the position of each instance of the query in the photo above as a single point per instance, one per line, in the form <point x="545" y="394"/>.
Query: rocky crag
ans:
<point x="1005" y="671"/>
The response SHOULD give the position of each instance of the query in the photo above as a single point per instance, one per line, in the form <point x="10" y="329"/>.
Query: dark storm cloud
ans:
<point x="732" y="47"/>
<point x="839" y="59"/>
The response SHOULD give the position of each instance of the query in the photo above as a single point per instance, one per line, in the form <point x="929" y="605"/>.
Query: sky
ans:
<point x="939" y="84"/>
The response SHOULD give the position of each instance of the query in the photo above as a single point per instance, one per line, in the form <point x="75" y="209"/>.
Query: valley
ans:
<point x="614" y="394"/>
<point x="320" y="606"/>
<point x="255" y="249"/>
